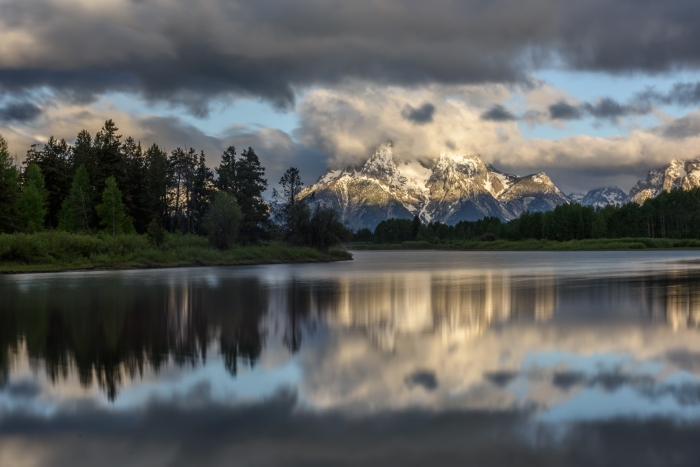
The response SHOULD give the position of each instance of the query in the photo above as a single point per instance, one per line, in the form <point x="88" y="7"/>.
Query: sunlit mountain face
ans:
<point x="561" y="351"/>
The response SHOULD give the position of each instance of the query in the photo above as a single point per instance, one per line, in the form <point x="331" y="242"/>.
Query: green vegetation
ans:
<point x="57" y="251"/>
<point x="157" y="208"/>
<point x="671" y="220"/>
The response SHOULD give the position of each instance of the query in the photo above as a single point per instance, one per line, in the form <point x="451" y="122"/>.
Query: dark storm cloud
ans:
<point x="610" y="109"/>
<point x="498" y="113"/>
<point x="602" y="109"/>
<point x="19" y="112"/>
<point x="681" y="94"/>
<point x="420" y="115"/>
<point x="564" y="111"/>
<point x="278" y="433"/>
<point x="188" y="52"/>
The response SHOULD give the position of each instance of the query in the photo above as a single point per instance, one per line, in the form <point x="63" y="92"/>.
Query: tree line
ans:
<point x="674" y="214"/>
<point x="108" y="183"/>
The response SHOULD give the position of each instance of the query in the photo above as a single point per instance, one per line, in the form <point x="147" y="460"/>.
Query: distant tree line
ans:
<point x="674" y="214"/>
<point x="110" y="184"/>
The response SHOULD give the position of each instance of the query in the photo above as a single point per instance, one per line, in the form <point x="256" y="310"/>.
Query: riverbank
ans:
<point x="60" y="251"/>
<point x="539" y="245"/>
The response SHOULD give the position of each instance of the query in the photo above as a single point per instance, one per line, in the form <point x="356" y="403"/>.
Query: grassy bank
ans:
<point x="539" y="245"/>
<point x="60" y="251"/>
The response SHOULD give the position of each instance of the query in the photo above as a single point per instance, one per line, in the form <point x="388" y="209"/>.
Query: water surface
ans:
<point x="404" y="358"/>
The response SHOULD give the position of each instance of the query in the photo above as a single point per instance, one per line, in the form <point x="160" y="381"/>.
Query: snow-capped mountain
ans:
<point x="533" y="193"/>
<point x="455" y="187"/>
<point x="600" y="197"/>
<point x="577" y="197"/>
<point x="678" y="174"/>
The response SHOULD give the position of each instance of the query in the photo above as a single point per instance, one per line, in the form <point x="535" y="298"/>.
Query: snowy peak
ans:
<point x="530" y="185"/>
<point x="453" y="188"/>
<point x="577" y="197"/>
<point x="381" y="164"/>
<point x="601" y="197"/>
<point x="498" y="182"/>
<point x="678" y="174"/>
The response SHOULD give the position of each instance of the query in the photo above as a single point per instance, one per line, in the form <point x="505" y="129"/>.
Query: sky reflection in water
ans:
<point x="552" y="358"/>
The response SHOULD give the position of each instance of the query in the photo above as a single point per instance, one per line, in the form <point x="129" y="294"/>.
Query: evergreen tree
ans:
<point x="181" y="174"/>
<point x="31" y="208"/>
<point x="56" y="164"/>
<point x="135" y="187"/>
<point x="111" y="212"/>
<point x="288" y="208"/>
<point x="156" y="179"/>
<point x="108" y="157"/>
<point x="9" y="189"/>
<point x="201" y="194"/>
<point x="76" y="211"/>
<point x="84" y="154"/>
<point x="226" y="172"/>
<point x="250" y="186"/>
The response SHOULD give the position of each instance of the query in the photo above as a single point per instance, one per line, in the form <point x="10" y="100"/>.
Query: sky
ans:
<point x="593" y="92"/>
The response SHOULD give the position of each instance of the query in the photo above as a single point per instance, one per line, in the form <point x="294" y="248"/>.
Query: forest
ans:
<point x="107" y="185"/>
<point x="671" y="215"/>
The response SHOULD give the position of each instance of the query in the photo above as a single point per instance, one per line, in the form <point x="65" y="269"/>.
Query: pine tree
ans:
<point x="31" y="208"/>
<point x="201" y="194"/>
<point x="156" y="162"/>
<point x="76" y="211"/>
<point x="108" y="155"/>
<point x="135" y="184"/>
<point x="111" y="212"/>
<point x="56" y="163"/>
<point x="289" y="209"/>
<point x="226" y="172"/>
<point x="9" y="189"/>
<point x="250" y="186"/>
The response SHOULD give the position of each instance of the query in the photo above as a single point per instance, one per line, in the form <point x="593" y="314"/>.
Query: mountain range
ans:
<point x="458" y="187"/>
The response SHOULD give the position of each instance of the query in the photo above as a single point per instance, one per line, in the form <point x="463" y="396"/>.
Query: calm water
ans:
<point x="396" y="358"/>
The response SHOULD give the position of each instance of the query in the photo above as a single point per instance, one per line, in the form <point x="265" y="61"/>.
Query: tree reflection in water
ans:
<point x="108" y="330"/>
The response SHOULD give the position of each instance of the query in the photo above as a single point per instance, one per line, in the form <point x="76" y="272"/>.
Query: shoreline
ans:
<point x="50" y="268"/>
<point x="12" y="269"/>
<point x="629" y="244"/>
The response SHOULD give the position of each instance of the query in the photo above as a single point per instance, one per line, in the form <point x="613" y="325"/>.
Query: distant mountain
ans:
<point x="533" y="193"/>
<point x="600" y="197"/>
<point x="577" y="197"/>
<point x="678" y="174"/>
<point x="453" y="188"/>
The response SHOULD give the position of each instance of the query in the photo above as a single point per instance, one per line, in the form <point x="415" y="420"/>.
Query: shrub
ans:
<point x="223" y="221"/>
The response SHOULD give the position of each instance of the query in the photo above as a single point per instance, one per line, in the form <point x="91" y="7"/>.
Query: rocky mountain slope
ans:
<point x="678" y="174"/>
<point x="600" y="197"/>
<point x="453" y="188"/>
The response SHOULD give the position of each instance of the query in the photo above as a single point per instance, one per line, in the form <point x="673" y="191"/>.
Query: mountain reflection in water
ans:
<point x="454" y="341"/>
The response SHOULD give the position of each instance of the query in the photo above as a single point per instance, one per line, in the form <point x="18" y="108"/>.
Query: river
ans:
<point x="395" y="358"/>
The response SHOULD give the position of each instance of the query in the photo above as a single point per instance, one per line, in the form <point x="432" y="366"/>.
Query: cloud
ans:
<point x="610" y="109"/>
<point x="498" y="113"/>
<point x="682" y="94"/>
<point x="190" y="52"/>
<point x="421" y="115"/>
<point x="564" y="111"/>
<point x="348" y="122"/>
<point x="682" y="128"/>
<point x="19" y="112"/>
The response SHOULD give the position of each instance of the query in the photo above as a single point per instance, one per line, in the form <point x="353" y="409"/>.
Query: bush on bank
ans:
<point x="55" y="250"/>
